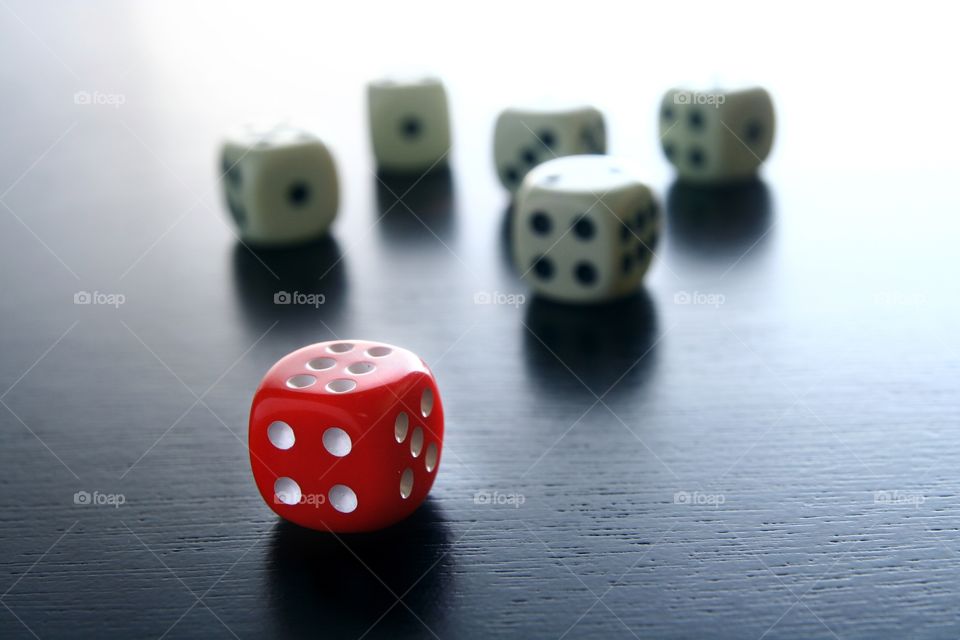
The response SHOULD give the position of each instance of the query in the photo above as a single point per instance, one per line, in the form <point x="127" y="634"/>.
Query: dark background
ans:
<point x="777" y="458"/>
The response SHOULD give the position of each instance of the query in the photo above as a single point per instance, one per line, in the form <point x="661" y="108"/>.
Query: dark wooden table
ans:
<point x="762" y="443"/>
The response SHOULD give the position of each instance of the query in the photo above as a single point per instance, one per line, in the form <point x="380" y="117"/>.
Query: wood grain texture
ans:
<point x="760" y="444"/>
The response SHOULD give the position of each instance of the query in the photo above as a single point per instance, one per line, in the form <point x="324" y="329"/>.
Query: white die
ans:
<point x="525" y="136"/>
<point x="584" y="229"/>
<point x="409" y="123"/>
<point x="280" y="184"/>
<point x="716" y="136"/>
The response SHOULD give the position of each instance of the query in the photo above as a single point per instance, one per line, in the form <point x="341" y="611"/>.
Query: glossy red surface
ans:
<point x="305" y="391"/>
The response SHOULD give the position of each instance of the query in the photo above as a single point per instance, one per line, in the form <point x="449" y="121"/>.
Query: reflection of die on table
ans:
<point x="707" y="221"/>
<point x="584" y="229"/>
<point x="280" y="184"/>
<point x="346" y="435"/>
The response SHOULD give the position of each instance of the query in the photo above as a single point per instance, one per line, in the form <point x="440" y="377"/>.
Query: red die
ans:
<point x="346" y="435"/>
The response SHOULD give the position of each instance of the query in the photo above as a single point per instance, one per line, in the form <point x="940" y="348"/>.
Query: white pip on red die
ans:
<point x="525" y="136"/>
<point x="715" y="137"/>
<point x="346" y="436"/>
<point x="409" y="123"/>
<point x="280" y="184"/>
<point x="584" y="229"/>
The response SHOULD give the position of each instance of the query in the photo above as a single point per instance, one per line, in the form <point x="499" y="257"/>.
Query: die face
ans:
<point x="524" y="137"/>
<point x="584" y="229"/>
<point x="639" y="244"/>
<point x="333" y="456"/>
<point x="716" y="137"/>
<point x="281" y="186"/>
<point x="409" y="123"/>
<point x="750" y="116"/>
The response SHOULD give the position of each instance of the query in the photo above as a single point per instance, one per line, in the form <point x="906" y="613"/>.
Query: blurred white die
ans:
<point x="526" y="136"/>
<point x="584" y="229"/>
<point x="280" y="184"/>
<point x="409" y="123"/>
<point x="716" y="136"/>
